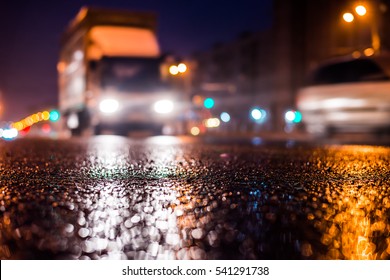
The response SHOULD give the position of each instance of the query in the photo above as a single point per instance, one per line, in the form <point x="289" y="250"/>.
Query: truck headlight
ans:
<point x="109" y="106"/>
<point x="163" y="106"/>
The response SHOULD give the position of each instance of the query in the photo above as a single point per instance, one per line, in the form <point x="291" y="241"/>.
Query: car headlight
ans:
<point x="163" y="106"/>
<point x="109" y="106"/>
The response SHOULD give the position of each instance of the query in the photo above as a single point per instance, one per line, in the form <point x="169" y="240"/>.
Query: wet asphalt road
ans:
<point x="173" y="198"/>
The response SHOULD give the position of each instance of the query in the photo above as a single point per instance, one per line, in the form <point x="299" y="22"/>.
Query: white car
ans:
<point x="349" y="95"/>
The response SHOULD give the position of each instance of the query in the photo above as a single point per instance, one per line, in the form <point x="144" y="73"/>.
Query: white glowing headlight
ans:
<point x="163" y="106"/>
<point x="109" y="106"/>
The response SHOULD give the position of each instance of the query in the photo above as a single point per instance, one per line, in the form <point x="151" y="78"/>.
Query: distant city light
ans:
<point x="54" y="115"/>
<point x="18" y="125"/>
<point x="225" y="117"/>
<point x="23" y="126"/>
<point x="195" y="131"/>
<point x="78" y="55"/>
<point x="35" y="118"/>
<point x="46" y="128"/>
<point x="72" y="121"/>
<point x="29" y="121"/>
<point x="258" y="115"/>
<point x="197" y="100"/>
<point x="212" y="122"/>
<point x="356" y="54"/>
<point x="257" y="141"/>
<point x="292" y="116"/>
<point x="45" y="115"/>
<point x="369" y="52"/>
<point x="298" y="117"/>
<point x="208" y="103"/>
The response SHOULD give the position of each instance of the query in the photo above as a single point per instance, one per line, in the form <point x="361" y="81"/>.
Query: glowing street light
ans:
<point x="348" y="17"/>
<point x="360" y="10"/>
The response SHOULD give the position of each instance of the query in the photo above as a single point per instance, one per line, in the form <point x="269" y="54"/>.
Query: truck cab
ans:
<point x="110" y="75"/>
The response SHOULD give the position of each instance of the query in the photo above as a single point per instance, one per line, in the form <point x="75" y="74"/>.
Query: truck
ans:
<point x="112" y="76"/>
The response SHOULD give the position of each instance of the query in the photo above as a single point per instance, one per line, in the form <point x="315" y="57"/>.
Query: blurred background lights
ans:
<point x="23" y="126"/>
<point x="208" y="103"/>
<point x="360" y="10"/>
<point x="292" y="116"/>
<point x="212" y="122"/>
<point x="348" y="17"/>
<point x="257" y="141"/>
<point x="45" y="115"/>
<point x="73" y="121"/>
<point x="29" y="121"/>
<point x="195" y="131"/>
<point x="225" y="117"/>
<point x="18" y="125"/>
<point x="258" y="114"/>
<point x="182" y="68"/>
<point x="46" y="128"/>
<point x="35" y="118"/>
<point x="197" y="100"/>
<point x="78" y="55"/>
<point x="54" y="115"/>
<point x="369" y="52"/>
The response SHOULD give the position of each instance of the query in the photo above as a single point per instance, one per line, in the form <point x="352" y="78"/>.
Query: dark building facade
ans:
<point x="266" y="68"/>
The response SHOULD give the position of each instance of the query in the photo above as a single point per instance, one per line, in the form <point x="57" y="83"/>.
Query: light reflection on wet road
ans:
<point x="170" y="198"/>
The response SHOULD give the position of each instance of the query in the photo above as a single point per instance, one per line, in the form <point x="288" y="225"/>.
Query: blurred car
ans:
<point x="348" y="95"/>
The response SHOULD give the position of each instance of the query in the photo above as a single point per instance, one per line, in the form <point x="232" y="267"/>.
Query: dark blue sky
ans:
<point x="30" y="32"/>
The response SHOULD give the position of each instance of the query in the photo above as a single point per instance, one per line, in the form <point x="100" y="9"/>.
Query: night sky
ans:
<point x="30" y="33"/>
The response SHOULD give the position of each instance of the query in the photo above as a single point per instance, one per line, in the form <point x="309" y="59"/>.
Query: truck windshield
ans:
<point x="130" y="74"/>
<point x="358" y="70"/>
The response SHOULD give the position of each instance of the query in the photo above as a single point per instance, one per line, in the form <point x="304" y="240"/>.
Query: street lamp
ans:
<point x="348" y="17"/>
<point x="362" y="11"/>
